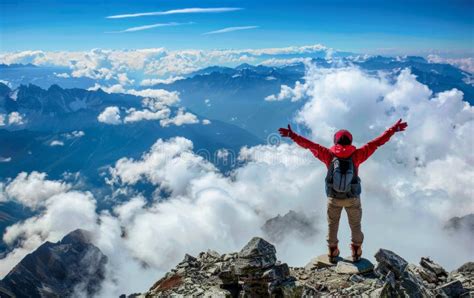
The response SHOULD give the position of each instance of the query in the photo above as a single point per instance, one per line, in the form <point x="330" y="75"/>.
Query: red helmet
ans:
<point x="343" y="137"/>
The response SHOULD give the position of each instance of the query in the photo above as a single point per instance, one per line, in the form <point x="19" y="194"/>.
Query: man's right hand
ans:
<point x="286" y="132"/>
<point x="400" y="126"/>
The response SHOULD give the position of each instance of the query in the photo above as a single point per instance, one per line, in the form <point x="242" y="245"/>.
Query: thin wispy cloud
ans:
<point x="175" y="11"/>
<point x="147" y="27"/>
<point x="230" y="29"/>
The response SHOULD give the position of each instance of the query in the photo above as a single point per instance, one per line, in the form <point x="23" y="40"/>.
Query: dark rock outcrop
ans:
<point x="72" y="266"/>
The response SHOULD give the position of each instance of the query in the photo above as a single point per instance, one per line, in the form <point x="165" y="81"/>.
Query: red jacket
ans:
<point x="344" y="151"/>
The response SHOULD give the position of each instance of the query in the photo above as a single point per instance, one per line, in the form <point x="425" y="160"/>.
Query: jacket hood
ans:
<point x="342" y="151"/>
<point x="343" y="133"/>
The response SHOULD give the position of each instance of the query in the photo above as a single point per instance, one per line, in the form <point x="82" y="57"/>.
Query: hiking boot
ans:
<point x="333" y="253"/>
<point x="356" y="252"/>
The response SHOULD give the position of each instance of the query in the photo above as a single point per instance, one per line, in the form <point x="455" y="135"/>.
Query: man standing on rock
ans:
<point x="343" y="186"/>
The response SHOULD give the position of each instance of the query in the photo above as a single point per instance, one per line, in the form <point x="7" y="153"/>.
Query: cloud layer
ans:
<point x="407" y="195"/>
<point x="157" y="63"/>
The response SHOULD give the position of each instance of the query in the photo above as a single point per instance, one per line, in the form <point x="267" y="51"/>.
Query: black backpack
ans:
<point x="342" y="180"/>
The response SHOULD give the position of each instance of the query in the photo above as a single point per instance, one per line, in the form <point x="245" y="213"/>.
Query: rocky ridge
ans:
<point x="256" y="272"/>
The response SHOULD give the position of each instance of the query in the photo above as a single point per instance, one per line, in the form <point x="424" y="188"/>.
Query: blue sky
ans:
<point x="402" y="27"/>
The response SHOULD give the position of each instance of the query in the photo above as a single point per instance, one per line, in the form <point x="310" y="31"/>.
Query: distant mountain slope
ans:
<point x="439" y="77"/>
<point x="70" y="267"/>
<point x="237" y="94"/>
<point x="43" y="76"/>
<point x="61" y="132"/>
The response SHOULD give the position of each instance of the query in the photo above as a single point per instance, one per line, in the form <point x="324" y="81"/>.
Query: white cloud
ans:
<point x="147" y="27"/>
<point x="222" y="153"/>
<point x="282" y="62"/>
<point x="123" y="79"/>
<point x="134" y="115"/>
<point x="75" y="134"/>
<point x="286" y="92"/>
<point x="206" y="121"/>
<point x="466" y="64"/>
<point x="110" y="115"/>
<point x="33" y="189"/>
<point x="117" y="88"/>
<point x="152" y="82"/>
<point x="171" y="164"/>
<point x="230" y="29"/>
<point x="5" y="159"/>
<point x="107" y="64"/>
<point x="15" y="118"/>
<point x="56" y="143"/>
<point x="158" y="95"/>
<point x="180" y="118"/>
<point x="176" y="11"/>
<point x="62" y="75"/>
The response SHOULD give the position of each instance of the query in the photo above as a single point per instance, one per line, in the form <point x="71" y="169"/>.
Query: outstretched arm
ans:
<point x="364" y="152"/>
<point x="320" y="152"/>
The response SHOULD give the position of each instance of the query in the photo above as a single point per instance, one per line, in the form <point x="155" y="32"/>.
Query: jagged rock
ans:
<point x="466" y="268"/>
<point x="257" y="247"/>
<point x="390" y="261"/>
<point x="428" y="275"/>
<point x="360" y="267"/>
<point x="465" y="274"/>
<point x="71" y="266"/>
<point x="277" y="272"/>
<point x="428" y="264"/>
<point x="257" y="255"/>
<point x="188" y="261"/>
<point x="256" y="266"/>
<point x="412" y="285"/>
<point x="453" y="289"/>
<point x="391" y="279"/>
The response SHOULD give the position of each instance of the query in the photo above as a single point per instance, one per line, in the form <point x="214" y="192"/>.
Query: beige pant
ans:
<point x="354" y="214"/>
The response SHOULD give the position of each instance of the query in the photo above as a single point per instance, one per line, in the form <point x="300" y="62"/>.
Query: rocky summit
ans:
<point x="256" y="272"/>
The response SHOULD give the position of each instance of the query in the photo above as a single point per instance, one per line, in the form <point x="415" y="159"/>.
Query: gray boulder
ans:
<point x="256" y="256"/>
<point x="452" y="289"/>
<point x="428" y="264"/>
<point x="390" y="261"/>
